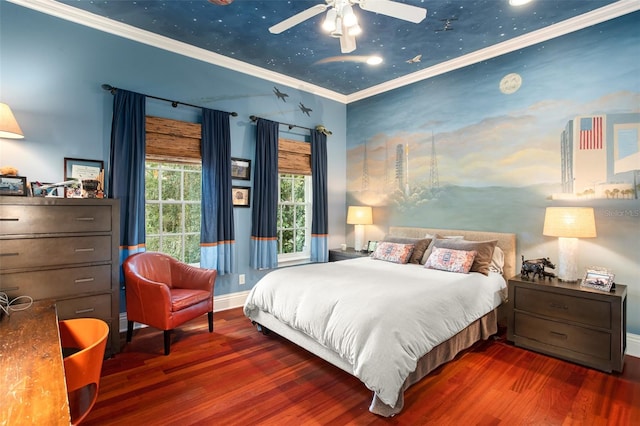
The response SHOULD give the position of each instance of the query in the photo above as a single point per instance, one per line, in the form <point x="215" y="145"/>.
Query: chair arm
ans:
<point x="148" y="301"/>
<point x="193" y="278"/>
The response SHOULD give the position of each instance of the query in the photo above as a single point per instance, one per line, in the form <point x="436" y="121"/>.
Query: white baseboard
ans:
<point x="236" y="300"/>
<point x="633" y="345"/>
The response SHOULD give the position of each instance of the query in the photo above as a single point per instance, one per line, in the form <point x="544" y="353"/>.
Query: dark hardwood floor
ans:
<point x="237" y="376"/>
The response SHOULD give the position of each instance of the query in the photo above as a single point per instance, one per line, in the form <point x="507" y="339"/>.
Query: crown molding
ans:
<point x="585" y="20"/>
<point x="120" y="29"/>
<point x="69" y="13"/>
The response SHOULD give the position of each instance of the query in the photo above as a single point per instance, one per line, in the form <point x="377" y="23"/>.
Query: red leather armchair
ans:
<point x="163" y="292"/>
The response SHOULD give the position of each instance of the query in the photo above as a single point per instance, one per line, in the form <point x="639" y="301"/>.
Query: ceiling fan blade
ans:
<point x="298" y="18"/>
<point x="394" y="9"/>
<point x="347" y="43"/>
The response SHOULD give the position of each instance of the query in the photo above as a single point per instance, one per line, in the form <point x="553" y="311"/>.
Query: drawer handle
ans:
<point x="558" y="306"/>
<point x="83" y="280"/>
<point x="9" y="219"/>
<point x="9" y="254"/>
<point x="81" y="250"/>
<point x="85" y="219"/>
<point x="84" y="311"/>
<point x="558" y="335"/>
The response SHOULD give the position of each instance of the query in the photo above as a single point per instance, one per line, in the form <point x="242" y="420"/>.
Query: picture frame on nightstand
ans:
<point x="598" y="279"/>
<point x="371" y="246"/>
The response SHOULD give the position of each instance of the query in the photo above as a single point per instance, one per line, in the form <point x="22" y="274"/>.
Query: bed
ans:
<point x="389" y="324"/>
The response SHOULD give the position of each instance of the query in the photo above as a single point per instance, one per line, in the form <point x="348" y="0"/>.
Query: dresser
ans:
<point x="568" y="321"/>
<point x="64" y="250"/>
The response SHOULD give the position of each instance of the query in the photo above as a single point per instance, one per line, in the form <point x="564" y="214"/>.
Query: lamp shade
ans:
<point x="359" y="215"/>
<point x="9" y="127"/>
<point x="569" y="222"/>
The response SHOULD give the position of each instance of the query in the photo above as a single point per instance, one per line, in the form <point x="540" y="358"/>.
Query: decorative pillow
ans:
<point x="420" y="245"/>
<point x="451" y="260"/>
<point x="484" y="251"/>
<point x="497" y="261"/>
<point x="393" y="252"/>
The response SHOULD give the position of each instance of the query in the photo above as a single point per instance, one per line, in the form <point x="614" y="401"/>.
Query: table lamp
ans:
<point x="359" y="216"/>
<point x="9" y="127"/>
<point x="569" y="224"/>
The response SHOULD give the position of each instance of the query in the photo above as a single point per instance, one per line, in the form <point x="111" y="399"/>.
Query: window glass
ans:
<point x="294" y="217"/>
<point x="172" y="209"/>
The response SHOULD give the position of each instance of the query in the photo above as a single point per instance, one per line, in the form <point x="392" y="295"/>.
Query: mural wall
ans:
<point x="490" y="146"/>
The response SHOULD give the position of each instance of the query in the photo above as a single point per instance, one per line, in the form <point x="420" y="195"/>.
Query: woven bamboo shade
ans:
<point x="294" y="157"/>
<point x="172" y="140"/>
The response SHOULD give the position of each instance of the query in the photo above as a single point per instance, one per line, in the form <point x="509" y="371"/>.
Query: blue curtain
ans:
<point x="126" y="171"/>
<point x="217" y="238"/>
<point x="320" y="222"/>
<point x="264" y="238"/>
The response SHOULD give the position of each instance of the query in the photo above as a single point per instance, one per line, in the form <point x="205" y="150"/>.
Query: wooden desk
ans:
<point x="32" y="382"/>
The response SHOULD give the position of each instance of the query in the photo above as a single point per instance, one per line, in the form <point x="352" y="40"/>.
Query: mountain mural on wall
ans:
<point x="557" y="121"/>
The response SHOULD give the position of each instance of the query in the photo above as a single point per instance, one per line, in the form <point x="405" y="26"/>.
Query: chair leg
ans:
<point x="167" y="342"/>
<point x="129" y="331"/>
<point x="210" y="318"/>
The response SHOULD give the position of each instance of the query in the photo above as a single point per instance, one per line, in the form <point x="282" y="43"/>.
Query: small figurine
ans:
<point x="536" y="267"/>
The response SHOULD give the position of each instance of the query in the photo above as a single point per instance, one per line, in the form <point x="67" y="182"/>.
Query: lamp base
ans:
<point x="567" y="259"/>
<point x="359" y="234"/>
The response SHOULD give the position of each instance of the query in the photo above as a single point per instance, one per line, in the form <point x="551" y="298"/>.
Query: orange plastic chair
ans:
<point x="85" y="339"/>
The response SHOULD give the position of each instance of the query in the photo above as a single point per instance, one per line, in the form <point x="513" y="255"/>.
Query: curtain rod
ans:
<point x="174" y="104"/>
<point x="319" y="127"/>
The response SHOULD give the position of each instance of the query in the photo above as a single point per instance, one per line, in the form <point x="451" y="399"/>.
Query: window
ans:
<point x="294" y="217"/>
<point x="172" y="209"/>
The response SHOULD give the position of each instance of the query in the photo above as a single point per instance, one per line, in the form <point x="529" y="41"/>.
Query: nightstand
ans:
<point x="568" y="321"/>
<point x="349" y="253"/>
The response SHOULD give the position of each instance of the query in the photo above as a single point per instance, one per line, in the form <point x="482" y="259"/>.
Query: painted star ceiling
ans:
<point x="240" y="30"/>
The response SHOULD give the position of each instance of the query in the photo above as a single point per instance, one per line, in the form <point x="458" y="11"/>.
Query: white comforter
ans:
<point x="378" y="316"/>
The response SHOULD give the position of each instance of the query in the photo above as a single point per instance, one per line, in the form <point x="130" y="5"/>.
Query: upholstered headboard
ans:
<point x="507" y="242"/>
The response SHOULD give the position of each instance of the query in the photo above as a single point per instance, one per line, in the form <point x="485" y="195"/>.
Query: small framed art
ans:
<point x="13" y="185"/>
<point x="240" y="168"/>
<point x="371" y="246"/>
<point x="598" y="279"/>
<point x="78" y="168"/>
<point x="241" y="196"/>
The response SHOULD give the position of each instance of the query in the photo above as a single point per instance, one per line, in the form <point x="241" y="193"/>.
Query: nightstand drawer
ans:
<point x="563" y="336"/>
<point x="585" y="311"/>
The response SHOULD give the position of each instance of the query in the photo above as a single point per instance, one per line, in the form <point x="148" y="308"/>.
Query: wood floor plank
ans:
<point x="237" y="376"/>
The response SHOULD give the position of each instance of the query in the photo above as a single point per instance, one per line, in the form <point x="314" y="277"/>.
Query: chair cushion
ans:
<point x="183" y="298"/>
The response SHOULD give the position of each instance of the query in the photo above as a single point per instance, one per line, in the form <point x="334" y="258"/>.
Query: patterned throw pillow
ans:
<point x="451" y="260"/>
<point x="393" y="252"/>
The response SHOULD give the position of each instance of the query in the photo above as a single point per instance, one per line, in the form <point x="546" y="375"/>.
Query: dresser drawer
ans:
<point x="576" y="309"/>
<point x="33" y="253"/>
<point x="54" y="283"/>
<point x="31" y="219"/>
<point x="85" y="307"/>
<point x="563" y="336"/>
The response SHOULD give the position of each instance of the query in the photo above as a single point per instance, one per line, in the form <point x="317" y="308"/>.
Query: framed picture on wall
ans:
<point x="241" y="196"/>
<point x="240" y="168"/>
<point x="78" y="168"/>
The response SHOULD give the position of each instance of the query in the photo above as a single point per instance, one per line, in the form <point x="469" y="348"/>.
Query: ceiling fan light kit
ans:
<point x="341" y="22"/>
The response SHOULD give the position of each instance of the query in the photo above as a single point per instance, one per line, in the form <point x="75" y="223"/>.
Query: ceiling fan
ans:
<point x="341" y="22"/>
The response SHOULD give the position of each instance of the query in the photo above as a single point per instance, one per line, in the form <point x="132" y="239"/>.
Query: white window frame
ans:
<point x="173" y="167"/>
<point x="308" y="203"/>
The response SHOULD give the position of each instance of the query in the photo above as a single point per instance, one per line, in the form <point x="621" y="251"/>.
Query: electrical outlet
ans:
<point x="241" y="279"/>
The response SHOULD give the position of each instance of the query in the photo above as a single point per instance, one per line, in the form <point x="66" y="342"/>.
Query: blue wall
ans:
<point x="51" y="71"/>
<point x="498" y="155"/>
